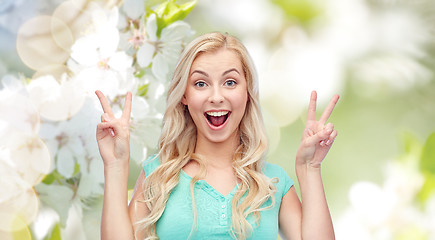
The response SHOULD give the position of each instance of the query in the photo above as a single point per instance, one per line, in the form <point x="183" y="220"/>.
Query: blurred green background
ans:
<point x="382" y="99"/>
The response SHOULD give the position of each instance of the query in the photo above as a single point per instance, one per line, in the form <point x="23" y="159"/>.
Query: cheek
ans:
<point x="190" y="98"/>
<point x="240" y="101"/>
<point x="194" y="105"/>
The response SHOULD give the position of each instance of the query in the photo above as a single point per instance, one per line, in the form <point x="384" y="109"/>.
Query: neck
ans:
<point x="218" y="154"/>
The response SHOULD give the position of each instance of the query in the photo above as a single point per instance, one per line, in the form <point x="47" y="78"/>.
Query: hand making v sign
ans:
<point x="113" y="134"/>
<point x="317" y="137"/>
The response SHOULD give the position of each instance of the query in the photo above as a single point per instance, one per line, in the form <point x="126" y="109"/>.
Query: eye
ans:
<point x="200" y="84"/>
<point x="230" y="83"/>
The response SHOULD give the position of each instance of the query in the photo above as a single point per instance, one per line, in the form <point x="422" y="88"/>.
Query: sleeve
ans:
<point x="284" y="181"/>
<point x="150" y="164"/>
<point x="288" y="182"/>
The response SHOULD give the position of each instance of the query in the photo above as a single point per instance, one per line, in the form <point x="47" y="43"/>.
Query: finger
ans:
<point x="331" y="137"/>
<point x="104" y="128"/>
<point x="320" y="137"/>
<point x="127" y="107"/>
<point x="104" y="103"/>
<point x="309" y="132"/>
<point x="312" y="107"/>
<point x="324" y="129"/>
<point x="328" y="109"/>
<point x="106" y="118"/>
<point x="329" y="127"/>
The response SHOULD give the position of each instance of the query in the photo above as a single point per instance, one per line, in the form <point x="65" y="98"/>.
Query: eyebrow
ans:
<point x="199" y="72"/>
<point x="230" y="70"/>
<point x="205" y="74"/>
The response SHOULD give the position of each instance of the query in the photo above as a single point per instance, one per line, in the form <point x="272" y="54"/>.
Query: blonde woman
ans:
<point x="209" y="179"/>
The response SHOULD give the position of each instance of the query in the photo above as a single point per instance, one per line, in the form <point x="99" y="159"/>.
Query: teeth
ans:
<point x="217" y="114"/>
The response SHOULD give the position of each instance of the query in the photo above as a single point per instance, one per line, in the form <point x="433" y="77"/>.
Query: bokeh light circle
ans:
<point x="21" y="231"/>
<point x="20" y="210"/>
<point x="43" y="41"/>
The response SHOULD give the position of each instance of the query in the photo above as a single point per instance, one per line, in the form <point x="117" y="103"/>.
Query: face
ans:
<point x="216" y="95"/>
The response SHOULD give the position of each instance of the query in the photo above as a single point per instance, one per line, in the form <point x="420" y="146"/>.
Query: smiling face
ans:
<point x="216" y="95"/>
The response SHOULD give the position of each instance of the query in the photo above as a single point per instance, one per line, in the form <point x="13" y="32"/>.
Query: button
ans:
<point x="223" y="206"/>
<point x="223" y="216"/>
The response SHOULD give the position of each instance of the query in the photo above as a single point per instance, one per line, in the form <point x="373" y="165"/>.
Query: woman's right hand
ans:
<point x="113" y="135"/>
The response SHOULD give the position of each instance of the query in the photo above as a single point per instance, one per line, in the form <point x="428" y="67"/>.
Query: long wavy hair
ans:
<point x="178" y="140"/>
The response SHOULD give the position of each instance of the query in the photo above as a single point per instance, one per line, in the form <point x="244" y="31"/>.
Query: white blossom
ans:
<point x="382" y="212"/>
<point x="96" y="60"/>
<point x="134" y="8"/>
<point x="50" y="155"/>
<point x="58" y="198"/>
<point x="24" y="160"/>
<point x="56" y="101"/>
<point x="163" y="52"/>
<point x="44" y="222"/>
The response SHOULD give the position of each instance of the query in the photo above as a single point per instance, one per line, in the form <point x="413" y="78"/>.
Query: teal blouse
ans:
<point x="214" y="209"/>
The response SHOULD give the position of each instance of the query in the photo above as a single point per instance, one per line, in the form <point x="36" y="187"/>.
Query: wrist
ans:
<point x="307" y="165"/>
<point x="306" y="169"/>
<point x="116" y="166"/>
<point x="308" y="175"/>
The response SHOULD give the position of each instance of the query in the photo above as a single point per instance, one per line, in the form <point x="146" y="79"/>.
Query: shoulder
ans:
<point x="150" y="164"/>
<point x="272" y="171"/>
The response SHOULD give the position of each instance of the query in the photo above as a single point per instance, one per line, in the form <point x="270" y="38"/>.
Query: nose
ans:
<point x="216" y="95"/>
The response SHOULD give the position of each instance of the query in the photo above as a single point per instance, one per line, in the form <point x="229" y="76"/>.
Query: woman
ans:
<point x="208" y="180"/>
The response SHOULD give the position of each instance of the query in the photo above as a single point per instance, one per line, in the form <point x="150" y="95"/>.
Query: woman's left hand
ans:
<point x="318" y="136"/>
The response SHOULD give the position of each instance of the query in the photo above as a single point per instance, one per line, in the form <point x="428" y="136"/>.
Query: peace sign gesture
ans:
<point x="113" y="134"/>
<point x="317" y="138"/>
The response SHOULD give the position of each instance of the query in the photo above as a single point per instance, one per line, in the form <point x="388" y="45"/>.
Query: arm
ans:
<point x="137" y="209"/>
<point x="115" y="220"/>
<point x="315" y="221"/>
<point x="290" y="216"/>
<point x="114" y="145"/>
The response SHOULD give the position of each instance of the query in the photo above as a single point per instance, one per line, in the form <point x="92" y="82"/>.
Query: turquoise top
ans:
<point x="214" y="209"/>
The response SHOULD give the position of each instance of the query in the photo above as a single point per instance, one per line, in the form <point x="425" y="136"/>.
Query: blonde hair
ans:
<point x="178" y="139"/>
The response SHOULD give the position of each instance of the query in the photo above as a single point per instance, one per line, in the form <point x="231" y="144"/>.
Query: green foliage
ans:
<point x="59" y="178"/>
<point x="76" y="169"/>
<point x="301" y="10"/>
<point x="428" y="188"/>
<point x="55" y="233"/>
<point x="140" y="73"/>
<point x="53" y="176"/>
<point x="412" y="144"/>
<point x="170" y="12"/>
<point x="142" y="90"/>
<point x="427" y="167"/>
<point x="152" y="3"/>
<point x="412" y="147"/>
<point x="427" y="163"/>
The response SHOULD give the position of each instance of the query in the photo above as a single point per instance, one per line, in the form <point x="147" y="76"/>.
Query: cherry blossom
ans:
<point x="162" y="51"/>
<point x="96" y="60"/>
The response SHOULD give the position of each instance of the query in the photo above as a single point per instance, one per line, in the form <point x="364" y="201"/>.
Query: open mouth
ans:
<point x="217" y="118"/>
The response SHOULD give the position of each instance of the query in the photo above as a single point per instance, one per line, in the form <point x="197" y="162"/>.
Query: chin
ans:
<point x="221" y="138"/>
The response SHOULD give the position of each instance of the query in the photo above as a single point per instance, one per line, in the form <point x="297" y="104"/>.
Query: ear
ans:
<point x="184" y="100"/>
